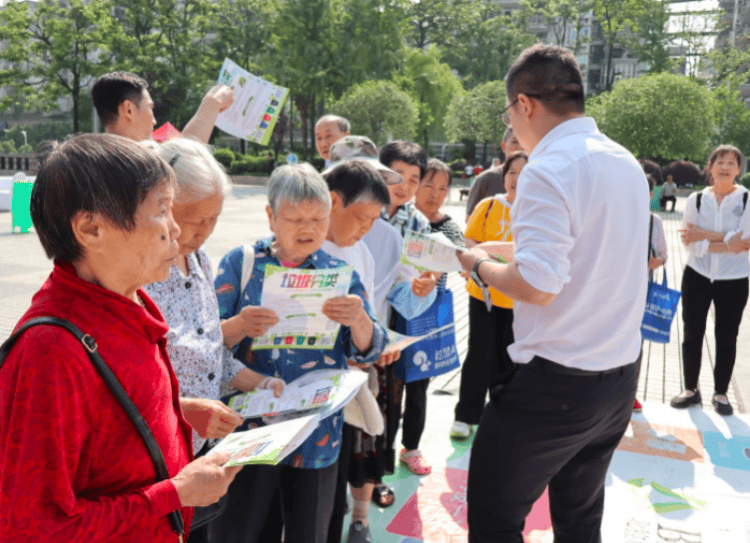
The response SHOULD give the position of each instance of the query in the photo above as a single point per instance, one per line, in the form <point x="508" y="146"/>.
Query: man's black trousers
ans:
<point x="549" y="426"/>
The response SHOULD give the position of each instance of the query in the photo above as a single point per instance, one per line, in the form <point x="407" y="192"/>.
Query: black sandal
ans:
<point x="380" y="495"/>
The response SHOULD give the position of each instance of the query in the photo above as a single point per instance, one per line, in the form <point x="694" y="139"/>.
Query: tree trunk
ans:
<point x="291" y="124"/>
<point x="312" y="125"/>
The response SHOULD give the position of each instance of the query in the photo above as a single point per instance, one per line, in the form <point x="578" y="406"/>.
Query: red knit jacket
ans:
<point x="72" y="466"/>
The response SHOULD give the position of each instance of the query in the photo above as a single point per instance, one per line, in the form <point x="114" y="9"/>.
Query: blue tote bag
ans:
<point x="661" y="305"/>
<point x="434" y="355"/>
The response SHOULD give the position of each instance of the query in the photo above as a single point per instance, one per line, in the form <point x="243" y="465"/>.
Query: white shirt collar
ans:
<point x="578" y="125"/>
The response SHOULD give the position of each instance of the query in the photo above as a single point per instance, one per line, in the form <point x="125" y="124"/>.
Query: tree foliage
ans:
<point x="432" y="85"/>
<point x="663" y="116"/>
<point x="566" y="17"/>
<point x="475" y="115"/>
<point x="379" y="110"/>
<point x="53" y="50"/>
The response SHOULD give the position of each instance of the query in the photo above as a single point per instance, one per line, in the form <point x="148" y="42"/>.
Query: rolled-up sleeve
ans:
<point x="542" y="232"/>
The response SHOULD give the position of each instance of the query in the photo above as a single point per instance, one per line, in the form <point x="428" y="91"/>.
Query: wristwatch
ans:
<point x="474" y="274"/>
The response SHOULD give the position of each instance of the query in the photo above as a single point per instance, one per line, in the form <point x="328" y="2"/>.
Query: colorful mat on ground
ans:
<point x="677" y="476"/>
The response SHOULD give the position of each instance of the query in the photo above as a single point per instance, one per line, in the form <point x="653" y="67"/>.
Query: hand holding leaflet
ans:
<point x="297" y="297"/>
<point x="326" y="391"/>
<point x="267" y="444"/>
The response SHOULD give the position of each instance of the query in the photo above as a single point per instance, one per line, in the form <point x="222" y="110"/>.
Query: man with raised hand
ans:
<point x="125" y="107"/>
<point x="580" y="229"/>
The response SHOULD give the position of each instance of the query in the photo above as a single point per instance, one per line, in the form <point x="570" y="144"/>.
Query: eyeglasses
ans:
<point x="505" y="117"/>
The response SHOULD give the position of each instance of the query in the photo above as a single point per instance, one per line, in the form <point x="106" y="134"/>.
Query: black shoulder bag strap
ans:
<point x="175" y="517"/>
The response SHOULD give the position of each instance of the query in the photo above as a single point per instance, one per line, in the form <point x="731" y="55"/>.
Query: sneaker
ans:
<point x="637" y="407"/>
<point x="359" y="533"/>
<point x="722" y="405"/>
<point x="686" y="398"/>
<point x="460" y="430"/>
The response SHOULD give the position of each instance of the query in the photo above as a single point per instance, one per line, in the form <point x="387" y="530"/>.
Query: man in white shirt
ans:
<point x="580" y="229"/>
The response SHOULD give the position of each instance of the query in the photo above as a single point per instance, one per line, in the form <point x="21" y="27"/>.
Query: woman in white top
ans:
<point x="714" y="224"/>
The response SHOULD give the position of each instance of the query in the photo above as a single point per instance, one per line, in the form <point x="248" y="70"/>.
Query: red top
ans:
<point x="72" y="465"/>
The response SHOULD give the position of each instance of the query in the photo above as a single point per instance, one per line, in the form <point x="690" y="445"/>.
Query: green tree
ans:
<point x="53" y="49"/>
<point x="732" y="119"/>
<point x="617" y="18"/>
<point x="651" y="42"/>
<point x="440" y="22"/>
<point x="249" y="43"/>
<point x="475" y="115"/>
<point x="432" y="85"/>
<point x="168" y="45"/>
<point x="567" y="19"/>
<point x="664" y="115"/>
<point x="379" y="110"/>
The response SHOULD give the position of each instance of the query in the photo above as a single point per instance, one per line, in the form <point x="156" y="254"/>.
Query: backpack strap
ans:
<point x="88" y="342"/>
<point x="698" y="198"/>
<point x="248" y="263"/>
<point x="744" y="200"/>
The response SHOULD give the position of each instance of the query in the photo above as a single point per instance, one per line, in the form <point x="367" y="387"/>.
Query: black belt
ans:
<point x="542" y="365"/>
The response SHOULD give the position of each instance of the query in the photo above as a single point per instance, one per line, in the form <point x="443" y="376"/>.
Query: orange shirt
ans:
<point x="490" y="221"/>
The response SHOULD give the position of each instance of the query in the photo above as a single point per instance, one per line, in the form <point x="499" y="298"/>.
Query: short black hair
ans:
<point x="357" y="180"/>
<point x="96" y="173"/>
<point x="434" y="166"/>
<point x="509" y="161"/>
<point x="552" y="74"/>
<point x="405" y="151"/>
<point x="112" y="89"/>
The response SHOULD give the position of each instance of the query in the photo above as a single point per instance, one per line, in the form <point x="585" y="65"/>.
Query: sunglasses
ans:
<point x="505" y="117"/>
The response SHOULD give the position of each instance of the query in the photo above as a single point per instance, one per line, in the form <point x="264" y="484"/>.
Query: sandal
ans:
<point x="415" y="462"/>
<point x="383" y="495"/>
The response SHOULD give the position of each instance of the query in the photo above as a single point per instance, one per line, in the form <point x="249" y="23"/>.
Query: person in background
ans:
<point x="491" y="182"/>
<point x="657" y="255"/>
<point x="102" y="208"/>
<point x="328" y="130"/>
<point x="490" y="332"/>
<point x="579" y="285"/>
<point x="299" y="206"/>
<point x="187" y="299"/>
<point x="496" y="162"/>
<point x="434" y="189"/>
<point x="398" y="287"/>
<point x="359" y="195"/>
<point x="125" y="107"/>
<point x="717" y="271"/>
<point x="668" y="193"/>
<point x="271" y="162"/>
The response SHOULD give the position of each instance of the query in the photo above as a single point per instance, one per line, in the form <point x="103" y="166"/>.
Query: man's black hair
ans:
<point x="96" y="173"/>
<point x="405" y="151"/>
<point x="357" y="180"/>
<point x="112" y="89"/>
<point x="552" y="74"/>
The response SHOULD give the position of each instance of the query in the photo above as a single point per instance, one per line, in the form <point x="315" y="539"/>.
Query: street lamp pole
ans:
<point x="25" y="141"/>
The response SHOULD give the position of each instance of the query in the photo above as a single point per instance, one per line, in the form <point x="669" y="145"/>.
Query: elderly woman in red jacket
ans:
<point x="72" y="465"/>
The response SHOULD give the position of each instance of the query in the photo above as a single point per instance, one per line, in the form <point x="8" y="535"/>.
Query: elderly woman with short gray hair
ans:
<point x="299" y="204"/>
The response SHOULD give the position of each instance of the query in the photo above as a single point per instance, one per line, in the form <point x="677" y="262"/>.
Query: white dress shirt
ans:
<point x="580" y="228"/>
<point x="728" y="217"/>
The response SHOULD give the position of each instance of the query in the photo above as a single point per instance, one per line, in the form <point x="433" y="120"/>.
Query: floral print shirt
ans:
<point x="322" y="448"/>
<point x="204" y="367"/>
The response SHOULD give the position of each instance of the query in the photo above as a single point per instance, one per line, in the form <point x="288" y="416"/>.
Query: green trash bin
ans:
<point x="655" y="206"/>
<point x="19" y="204"/>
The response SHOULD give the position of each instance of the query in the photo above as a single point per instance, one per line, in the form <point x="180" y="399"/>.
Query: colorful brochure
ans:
<point x="256" y="107"/>
<point x="325" y="391"/>
<point x="267" y="444"/>
<point x="297" y="296"/>
<point x="430" y="252"/>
